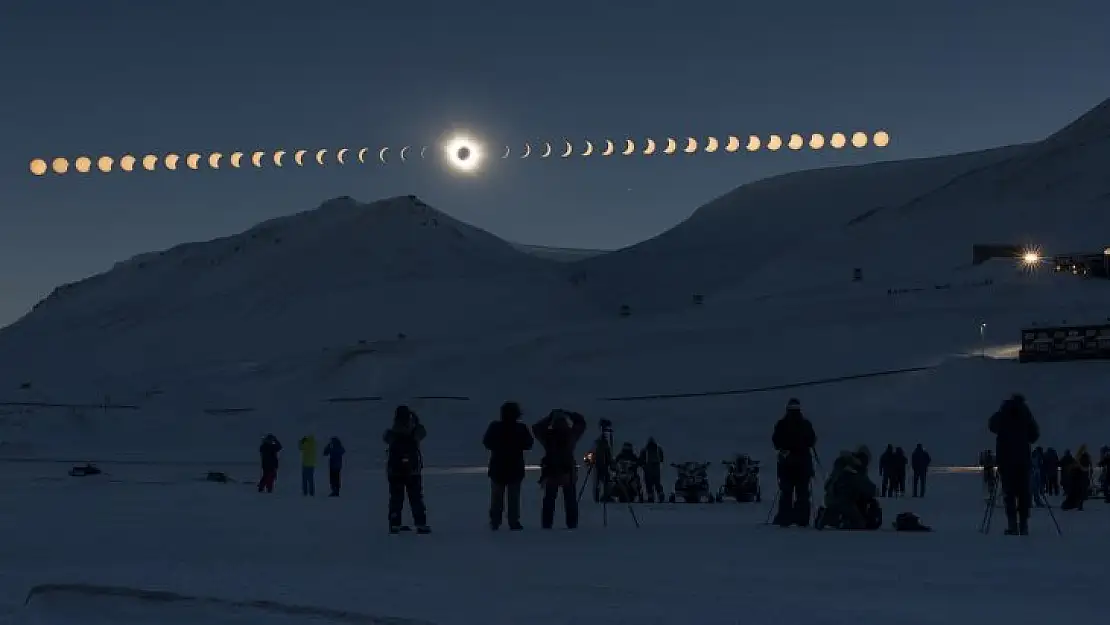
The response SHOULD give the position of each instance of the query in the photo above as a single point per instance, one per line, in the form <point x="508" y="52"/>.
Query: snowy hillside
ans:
<point x="305" y="308"/>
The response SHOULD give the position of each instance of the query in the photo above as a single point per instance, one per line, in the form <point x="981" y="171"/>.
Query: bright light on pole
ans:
<point x="983" y="339"/>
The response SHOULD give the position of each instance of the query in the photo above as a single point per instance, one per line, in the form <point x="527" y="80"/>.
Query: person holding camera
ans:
<point x="558" y="433"/>
<point x="506" y="439"/>
<point x="403" y="469"/>
<point x="603" y="462"/>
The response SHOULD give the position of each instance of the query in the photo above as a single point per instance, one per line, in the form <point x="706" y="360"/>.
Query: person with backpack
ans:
<point x="268" y="455"/>
<point x="334" y="451"/>
<point x="558" y="433"/>
<point x="919" y="462"/>
<point x="651" y="459"/>
<point x="404" y="464"/>
<point x="794" y="439"/>
<point x="1016" y="431"/>
<point x="307" y="447"/>
<point x="506" y="439"/>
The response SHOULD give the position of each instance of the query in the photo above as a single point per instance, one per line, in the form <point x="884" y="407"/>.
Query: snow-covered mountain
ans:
<point x="310" y="306"/>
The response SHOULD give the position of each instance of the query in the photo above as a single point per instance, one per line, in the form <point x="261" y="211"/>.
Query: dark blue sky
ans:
<point x="139" y="76"/>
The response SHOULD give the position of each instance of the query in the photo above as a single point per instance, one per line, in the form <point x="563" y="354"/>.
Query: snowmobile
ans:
<point x="626" y="483"/>
<point x="692" y="484"/>
<point x="741" y="480"/>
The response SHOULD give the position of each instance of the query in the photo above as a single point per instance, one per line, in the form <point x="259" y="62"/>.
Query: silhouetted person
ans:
<point x="794" y="440"/>
<point x="403" y="469"/>
<point x="334" y="451"/>
<point x="886" y="472"/>
<point x="558" y="433"/>
<point x="506" y="439"/>
<point x="1050" y="471"/>
<point x="307" y="447"/>
<point x="651" y="459"/>
<point x="1015" y="432"/>
<point x="898" y="469"/>
<point x="603" y="463"/>
<point x="268" y="454"/>
<point x="919" y="462"/>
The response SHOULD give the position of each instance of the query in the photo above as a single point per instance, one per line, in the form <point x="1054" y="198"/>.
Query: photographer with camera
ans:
<point x="403" y="467"/>
<point x="603" y="462"/>
<point x="558" y="433"/>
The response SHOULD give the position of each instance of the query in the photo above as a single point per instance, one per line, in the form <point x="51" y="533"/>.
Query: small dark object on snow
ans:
<point x="88" y="469"/>
<point x="217" y="476"/>
<point x="909" y="522"/>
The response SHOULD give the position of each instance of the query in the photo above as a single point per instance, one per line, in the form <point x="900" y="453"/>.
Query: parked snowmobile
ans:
<point x="627" y="485"/>
<point x="692" y="484"/>
<point x="741" y="480"/>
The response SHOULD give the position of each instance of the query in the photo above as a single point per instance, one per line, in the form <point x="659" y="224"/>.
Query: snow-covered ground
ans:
<point x="717" y="563"/>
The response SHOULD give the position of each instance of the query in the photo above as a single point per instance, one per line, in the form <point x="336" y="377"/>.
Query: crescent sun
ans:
<point x="609" y="148"/>
<point x="341" y="155"/>
<point x="546" y="150"/>
<point x="733" y="144"/>
<point x="381" y="154"/>
<point x="171" y="161"/>
<point x="192" y="161"/>
<point x="422" y="151"/>
<point x="280" y="154"/>
<point x="236" y="158"/>
<point x="691" y="145"/>
<point x="214" y="160"/>
<point x="629" y="147"/>
<point x="403" y="151"/>
<point x="362" y="155"/>
<point x="298" y="157"/>
<point x="712" y="144"/>
<point x="672" y="146"/>
<point x="507" y="150"/>
<point x="570" y="150"/>
<point x="527" y="150"/>
<point x="256" y="159"/>
<point x="320" y="157"/>
<point x="649" y="149"/>
<point x="753" y="143"/>
<point x="589" y="148"/>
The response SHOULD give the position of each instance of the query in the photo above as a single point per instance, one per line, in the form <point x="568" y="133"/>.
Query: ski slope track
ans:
<point x="397" y="300"/>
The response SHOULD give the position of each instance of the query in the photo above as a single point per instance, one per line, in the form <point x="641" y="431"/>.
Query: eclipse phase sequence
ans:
<point x="462" y="152"/>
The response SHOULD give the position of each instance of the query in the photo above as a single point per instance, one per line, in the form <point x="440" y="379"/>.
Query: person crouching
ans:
<point x="558" y="433"/>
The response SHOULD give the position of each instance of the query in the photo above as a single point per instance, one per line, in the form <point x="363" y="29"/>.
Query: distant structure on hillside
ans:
<point x="1065" y="342"/>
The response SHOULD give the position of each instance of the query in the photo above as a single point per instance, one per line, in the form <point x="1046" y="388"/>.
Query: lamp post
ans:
<point x="983" y="340"/>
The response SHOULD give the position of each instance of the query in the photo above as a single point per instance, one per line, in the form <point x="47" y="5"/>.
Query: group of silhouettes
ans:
<point x="1051" y="473"/>
<point x="892" y="470"/>
<point x="269" y="454"/>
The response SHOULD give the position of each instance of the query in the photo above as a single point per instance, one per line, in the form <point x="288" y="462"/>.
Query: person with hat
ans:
<point x="506" y="439"/>
<point x="1015" y="432"/>
<point x="794" y="439"/>
<point x="558" y="433"/>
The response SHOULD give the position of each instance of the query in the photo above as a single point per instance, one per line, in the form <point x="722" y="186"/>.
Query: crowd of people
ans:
<point x="850" y="498"/>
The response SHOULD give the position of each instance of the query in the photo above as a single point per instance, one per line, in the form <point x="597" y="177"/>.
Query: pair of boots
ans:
<point x="1017" y="523"/>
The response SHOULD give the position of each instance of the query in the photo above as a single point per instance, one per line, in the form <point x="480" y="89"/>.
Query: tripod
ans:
<point x="988" y="514"/>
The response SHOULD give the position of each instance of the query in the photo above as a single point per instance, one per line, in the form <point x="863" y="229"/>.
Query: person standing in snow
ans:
<point x="1078" y="483"/>
<point x="506" y="439"/>
<point x="307" y="447"/>
<point x="558" y="433"/>
<point x="403" y="469"/>
<point x="334" y="451"/>
<point x="268" y="454"/>
<point x="794" y="439"/>
<point x="886" y="471"/>
<point x="898" y="468"/>
<point x="919" y="462"/>
<point x="1050" y="472"/>
<point x="1015" y="432"/>
<point x="652" y="459"/>
<point x="603" y="462"/>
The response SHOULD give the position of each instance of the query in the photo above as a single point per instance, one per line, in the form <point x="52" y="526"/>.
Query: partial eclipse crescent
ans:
<point x="691" y="145"/>
<point x="672" y="146"/>
<point x="649" y="149"/>
<point x="320" y="157"/>
<point x="236" y="159"/>
<point x="527" y="150"/>
<point x="171" y="161"/>
<point x="341" y="156"/>
<point x="609" y="148"/>
<point x="712" y="144"/>
<point x="567" y="152"/>
<point x="774" y="142"/>
<point x="381" y="154"/>
<point x="256" y="159"/>
<point x="192" y="161"/>
<point x="507" y="150"/>
<point x="404" y="151"/>
<point x="214" y="160"/>
<point x="629" y="147"/>
<point x="733" y="144"/>
<point x="362" y="154"/>
<point x="280" y="154"/>
<point x="753" y="143"/>
<point x="589" y="148"/>
<point x="298" y="157"/>
<point x="546" y="150"/>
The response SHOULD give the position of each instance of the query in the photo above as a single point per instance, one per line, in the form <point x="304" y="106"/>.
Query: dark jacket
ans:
<point x="558" y="433"/>
<point x="334" y="451"/>
<point x="886" y="461"/>
<point x="1015" y="432"/>
<point x="898" y="464"/>
<point x="1050" y="463"/>
<point x="507" y="439"/>
<point x="268" y="452"/>
<point x="794" y="439"/>
<point x="920" y="460"/>
<point x="403" y="439"/>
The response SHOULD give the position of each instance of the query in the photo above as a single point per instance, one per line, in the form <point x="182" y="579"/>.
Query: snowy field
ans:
<point x="711" y="564"/>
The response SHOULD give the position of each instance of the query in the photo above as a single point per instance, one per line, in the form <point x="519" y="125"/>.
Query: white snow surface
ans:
<point x="248" y="558"/>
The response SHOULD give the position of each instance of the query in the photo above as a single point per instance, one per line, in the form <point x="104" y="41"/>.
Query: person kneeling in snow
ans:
<point x="849" y="496"/>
